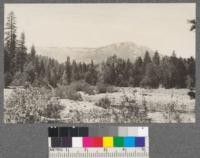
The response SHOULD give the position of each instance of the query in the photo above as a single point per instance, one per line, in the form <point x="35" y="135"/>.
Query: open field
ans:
<point x="148" y="105"/>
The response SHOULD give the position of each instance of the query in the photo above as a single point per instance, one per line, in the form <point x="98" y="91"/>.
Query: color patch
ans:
<point x="129" y="141"/>
<point x="87" y="142"/>
<point x="118" y="142"/>
<point x="97" y="137"/>
<point x="53" y="131"/>
<point x="56" y="142"/>
<point x="107" y="142"/>
<point x="97" y="142"/>
<point x="122" y="131"/>
<point x="77" y="142"/>
<point x="143" y="132"/>
<point x="73" y="131"/>
<point x="63" y="132"/>
<point x="132" y="131"/>
<point x="83" y="131"/>
<point x="140" y="141"/>
<point x="66" y="142"/>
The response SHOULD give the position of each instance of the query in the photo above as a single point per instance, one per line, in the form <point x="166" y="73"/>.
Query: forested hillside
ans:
<point x="23" y="67"/>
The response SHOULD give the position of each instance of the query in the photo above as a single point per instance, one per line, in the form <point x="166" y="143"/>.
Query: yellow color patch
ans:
<point x="107" y="142"/>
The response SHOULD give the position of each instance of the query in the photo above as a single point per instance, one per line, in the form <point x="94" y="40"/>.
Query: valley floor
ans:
<point x="161" y="106"/>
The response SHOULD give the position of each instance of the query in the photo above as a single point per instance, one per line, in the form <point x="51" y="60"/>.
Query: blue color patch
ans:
<point x="140" y="141"/>
<point x="129" y="141"/>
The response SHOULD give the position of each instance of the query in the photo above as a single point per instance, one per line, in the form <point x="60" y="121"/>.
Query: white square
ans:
<point x="77" y="142"/>
<point x="143" y="131"/>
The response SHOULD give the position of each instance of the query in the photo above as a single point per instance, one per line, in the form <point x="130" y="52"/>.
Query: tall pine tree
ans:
<point x="10" y="43"/>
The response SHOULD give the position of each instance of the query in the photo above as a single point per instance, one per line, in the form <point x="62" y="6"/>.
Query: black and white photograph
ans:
<point x="99" y="63"/>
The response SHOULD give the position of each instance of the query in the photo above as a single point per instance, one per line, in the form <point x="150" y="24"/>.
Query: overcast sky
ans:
<point x="161" y="27"/>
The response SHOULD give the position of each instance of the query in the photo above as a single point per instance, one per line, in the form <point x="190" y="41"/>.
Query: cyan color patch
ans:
<point x="129" y="141"/>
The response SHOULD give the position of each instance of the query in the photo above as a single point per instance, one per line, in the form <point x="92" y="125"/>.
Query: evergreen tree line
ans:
<point x="150" y="72"/>
<point x="23" y="67"/>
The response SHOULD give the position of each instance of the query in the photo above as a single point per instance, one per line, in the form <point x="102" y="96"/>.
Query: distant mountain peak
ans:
<point x="122" y="49"/>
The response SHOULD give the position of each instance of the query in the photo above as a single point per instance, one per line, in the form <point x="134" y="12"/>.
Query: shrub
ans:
<point x="82" y="86"/>
<point x="7" y="79"/>
<point x="172" y="114"/>
<point x="19" y="79"/>
<point x="132" y="111"/>
<point x="30" y="105"/>
<point x="103" y="88"/>
<point x="104" y="103"/>
<point x="53" y="108"/>
<point x="74" y="95"/>
<point x="111" y="89"/>
<point x="68" y="92"/>
<point x="148" y="82"/>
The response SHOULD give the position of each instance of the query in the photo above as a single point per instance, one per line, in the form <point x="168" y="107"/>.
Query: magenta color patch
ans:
<point x="87" y="141"/>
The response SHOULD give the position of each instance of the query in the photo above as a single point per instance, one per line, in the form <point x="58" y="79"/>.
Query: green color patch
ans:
<point x="118" y="142"/>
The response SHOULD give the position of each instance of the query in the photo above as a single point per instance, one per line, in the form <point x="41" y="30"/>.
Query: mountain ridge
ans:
<point x="123" y="50"/>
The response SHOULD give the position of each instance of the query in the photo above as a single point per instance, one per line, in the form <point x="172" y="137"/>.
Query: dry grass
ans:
<point x="127" y="105"/>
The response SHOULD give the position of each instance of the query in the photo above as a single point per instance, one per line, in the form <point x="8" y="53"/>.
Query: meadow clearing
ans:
<point x="121" y="105"/>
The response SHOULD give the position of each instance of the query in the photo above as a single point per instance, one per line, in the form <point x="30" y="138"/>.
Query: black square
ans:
<point x="53" y="131"/>
<point x="63" y="132"/>
<point x="73" y="132"/>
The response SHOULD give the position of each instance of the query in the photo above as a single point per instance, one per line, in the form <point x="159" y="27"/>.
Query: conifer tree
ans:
<point x="156" y="59"/>
<point x="33" y="53"/>
<point x="68" y="70"/>
<point x="10" y="42"/>
<point x="22" y="54"/>
<point x="147" y="58"/>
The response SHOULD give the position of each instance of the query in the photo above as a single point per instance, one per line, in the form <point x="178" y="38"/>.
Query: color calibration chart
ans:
<point x="98" y="142"/>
